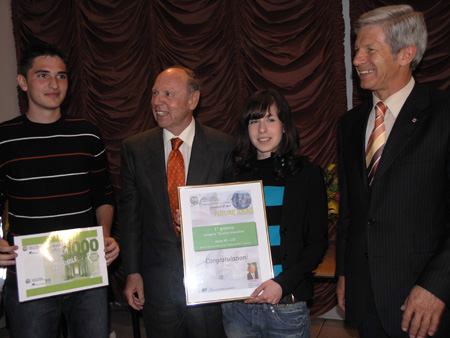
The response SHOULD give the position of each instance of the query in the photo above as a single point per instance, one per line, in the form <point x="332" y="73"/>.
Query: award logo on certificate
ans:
<point x="225" y="241"/>
<point x="60" y="262"/>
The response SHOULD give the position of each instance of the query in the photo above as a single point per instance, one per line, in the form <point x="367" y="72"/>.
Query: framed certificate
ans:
<point x="60" y="262"/>
<point x="225" y="240"/>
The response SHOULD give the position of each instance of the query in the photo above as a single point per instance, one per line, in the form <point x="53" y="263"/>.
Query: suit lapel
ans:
<point x="359" y="139"/>
<point x="410" y="117"/>
<point x="156" y="169"/>
<point x="200" y="156"/>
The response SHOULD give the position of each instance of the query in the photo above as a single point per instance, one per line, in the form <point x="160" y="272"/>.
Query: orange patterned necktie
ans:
<point x="175" y="176"/>
<point x="376" y="142"/>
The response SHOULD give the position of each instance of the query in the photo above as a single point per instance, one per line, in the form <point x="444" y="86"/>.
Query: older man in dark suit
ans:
<point x="152" y="256"/>
<point x="252" y="273"/>
<point x="394" y="226"/>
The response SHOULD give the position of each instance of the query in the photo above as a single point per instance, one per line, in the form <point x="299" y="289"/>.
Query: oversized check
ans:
<point x="225" y="239"/>
<point x="60" y="262"/>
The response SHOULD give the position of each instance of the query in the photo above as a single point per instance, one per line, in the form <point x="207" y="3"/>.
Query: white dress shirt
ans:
<point x="394" y="104"/>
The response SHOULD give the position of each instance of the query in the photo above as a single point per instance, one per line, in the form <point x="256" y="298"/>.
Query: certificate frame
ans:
<point x="60" y="262"/>
<point x="224" y="231"/>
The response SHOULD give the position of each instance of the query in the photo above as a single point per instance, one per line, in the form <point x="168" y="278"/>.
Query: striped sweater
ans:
<point x="273" y="195"/>
<point x="55" y="175"/>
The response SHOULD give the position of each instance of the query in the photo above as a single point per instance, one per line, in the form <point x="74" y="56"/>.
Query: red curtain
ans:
<point x="116" y="48"/>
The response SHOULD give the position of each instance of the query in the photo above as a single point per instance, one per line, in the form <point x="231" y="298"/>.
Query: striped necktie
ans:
<point x="376" y="142"/>
<point x="175" y="176"/>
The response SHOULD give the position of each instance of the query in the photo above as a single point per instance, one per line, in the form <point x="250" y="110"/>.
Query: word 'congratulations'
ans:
<point x="226" y="259"/>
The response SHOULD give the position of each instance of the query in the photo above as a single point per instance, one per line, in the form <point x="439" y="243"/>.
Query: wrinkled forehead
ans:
<point x="370" y="34"/>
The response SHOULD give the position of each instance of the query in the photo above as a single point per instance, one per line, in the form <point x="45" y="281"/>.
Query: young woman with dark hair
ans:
<point x="267" y="149"/>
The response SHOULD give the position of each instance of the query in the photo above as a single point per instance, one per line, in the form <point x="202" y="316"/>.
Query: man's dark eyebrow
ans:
<point x="46" y="71"/>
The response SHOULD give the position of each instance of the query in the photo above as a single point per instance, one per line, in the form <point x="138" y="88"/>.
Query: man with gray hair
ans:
<point x="393" y="254"/>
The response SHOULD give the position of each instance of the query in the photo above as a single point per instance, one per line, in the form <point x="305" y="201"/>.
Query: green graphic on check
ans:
<point x="225" y="236"/>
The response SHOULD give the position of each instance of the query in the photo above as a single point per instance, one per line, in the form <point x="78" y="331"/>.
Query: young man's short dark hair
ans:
<point x="36" y="50"/>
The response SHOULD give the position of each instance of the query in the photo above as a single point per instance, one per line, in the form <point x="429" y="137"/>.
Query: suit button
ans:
<point x="285" y="257"/>
<point x="284" y="231"/>
<point x="371" y="221"/>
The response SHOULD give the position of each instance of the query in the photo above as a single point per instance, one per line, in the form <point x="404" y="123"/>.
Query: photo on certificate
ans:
<point x="59" y="262"/>
<point x="226" y="248"/>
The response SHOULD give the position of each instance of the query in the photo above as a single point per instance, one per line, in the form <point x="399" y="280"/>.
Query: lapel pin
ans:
<point x="414" y="120"/>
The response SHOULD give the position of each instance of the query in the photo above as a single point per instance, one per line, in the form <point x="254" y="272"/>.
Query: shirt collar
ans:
<point x="396" y="101"/>
<point x="187" y="135"/>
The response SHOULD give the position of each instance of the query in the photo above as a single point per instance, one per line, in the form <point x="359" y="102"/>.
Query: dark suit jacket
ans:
<point x="303" y="229"/>
<point x="148" y="242"/>
<point x="397" y="233"/>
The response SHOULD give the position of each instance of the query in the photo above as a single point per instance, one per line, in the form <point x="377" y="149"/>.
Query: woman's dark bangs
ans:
<point x="258" y="109"/>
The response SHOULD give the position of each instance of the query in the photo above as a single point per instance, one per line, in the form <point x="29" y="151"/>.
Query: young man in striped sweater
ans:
<point x="53" y="168"/>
